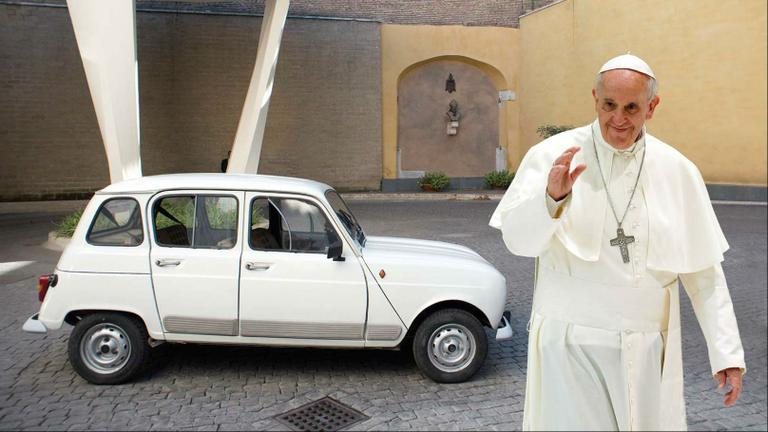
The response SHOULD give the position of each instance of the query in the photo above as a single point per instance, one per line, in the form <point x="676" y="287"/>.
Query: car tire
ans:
<point x="450" y="345"/>
<point x="108" y="348"/>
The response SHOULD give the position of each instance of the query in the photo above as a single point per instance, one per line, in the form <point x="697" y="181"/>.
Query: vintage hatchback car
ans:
<point x="259" y="260"/>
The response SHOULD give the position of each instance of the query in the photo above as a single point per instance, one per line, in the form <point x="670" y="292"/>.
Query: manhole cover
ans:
<point x="325" y="414"/>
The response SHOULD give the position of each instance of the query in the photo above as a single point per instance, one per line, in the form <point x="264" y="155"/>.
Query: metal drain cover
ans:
<point x="324" y="414"/>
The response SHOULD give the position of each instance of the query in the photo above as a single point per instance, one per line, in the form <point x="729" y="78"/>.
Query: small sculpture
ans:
<point x="453" y="116"/>
<point x="450" y="84"/>
<point x="453" y="111"/>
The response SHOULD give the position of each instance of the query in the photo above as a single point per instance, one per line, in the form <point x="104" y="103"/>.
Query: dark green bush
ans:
<point x="436" y="179"/>
<point x="66" y="228"/>
<point x="499" y="179"/>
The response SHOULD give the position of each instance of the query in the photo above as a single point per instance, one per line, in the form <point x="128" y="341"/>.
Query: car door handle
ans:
<point x="167" y="262"/>
<point x="257" y="266"/>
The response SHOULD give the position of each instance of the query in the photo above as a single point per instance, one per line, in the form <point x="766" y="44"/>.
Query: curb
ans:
<point x="56" y="243"/>
<point x="423" y="196"/>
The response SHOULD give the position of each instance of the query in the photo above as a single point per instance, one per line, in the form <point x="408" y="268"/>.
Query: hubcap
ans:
<point x="105" y="348"/>
<point x="451" y="347"/>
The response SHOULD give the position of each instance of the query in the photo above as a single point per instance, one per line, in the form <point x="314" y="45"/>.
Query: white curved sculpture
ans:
<point x="106" y="36"/>
<point x="246" y="149"/>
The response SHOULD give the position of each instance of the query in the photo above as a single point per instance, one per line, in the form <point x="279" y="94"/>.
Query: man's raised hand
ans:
<point x="561" y="178"/>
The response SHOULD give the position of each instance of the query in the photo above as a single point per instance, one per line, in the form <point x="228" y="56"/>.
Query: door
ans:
<point x="289" y="288"/>
<point x="195" y="260"/>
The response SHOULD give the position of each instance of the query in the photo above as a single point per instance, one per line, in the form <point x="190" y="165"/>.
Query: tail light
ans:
<point x="43" y="283"/>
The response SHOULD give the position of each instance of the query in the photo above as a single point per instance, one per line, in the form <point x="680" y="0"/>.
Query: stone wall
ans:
<point x="495" y="13"/>
<point x="324" y="120"/>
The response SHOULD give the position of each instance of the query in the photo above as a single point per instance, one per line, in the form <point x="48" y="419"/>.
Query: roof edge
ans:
<point x="539" y="9"/>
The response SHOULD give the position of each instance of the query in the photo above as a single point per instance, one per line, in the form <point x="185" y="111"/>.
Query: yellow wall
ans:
<point x="492" y="49"/>
<point x="708" y="55"/>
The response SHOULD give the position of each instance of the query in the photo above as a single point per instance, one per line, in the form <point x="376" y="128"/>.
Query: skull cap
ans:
<point x="628" y="61"/>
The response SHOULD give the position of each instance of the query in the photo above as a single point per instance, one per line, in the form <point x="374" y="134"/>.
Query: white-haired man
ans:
<point x="616" y="217"/>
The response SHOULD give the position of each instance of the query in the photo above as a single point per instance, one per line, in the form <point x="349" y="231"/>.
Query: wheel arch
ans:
<point x="446" y="304"/>
<point x="73" y="317"/>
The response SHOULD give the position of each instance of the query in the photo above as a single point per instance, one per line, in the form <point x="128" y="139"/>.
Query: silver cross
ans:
<point x="622" y="241"/>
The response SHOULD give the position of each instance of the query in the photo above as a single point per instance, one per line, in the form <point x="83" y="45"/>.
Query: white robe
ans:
<point x="604" y="344"/>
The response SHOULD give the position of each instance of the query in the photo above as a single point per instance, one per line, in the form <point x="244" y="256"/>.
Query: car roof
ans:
<point x="218" y="181"/>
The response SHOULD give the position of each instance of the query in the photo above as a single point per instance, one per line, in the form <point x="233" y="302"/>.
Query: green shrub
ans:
<point x="66" y="228"/>
<point x="436" y="179"/>
<point x="549" y="130"/>
<point x="499" y="179"/>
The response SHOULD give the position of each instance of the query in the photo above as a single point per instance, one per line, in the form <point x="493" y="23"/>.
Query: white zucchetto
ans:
<point x="628" y="61"/>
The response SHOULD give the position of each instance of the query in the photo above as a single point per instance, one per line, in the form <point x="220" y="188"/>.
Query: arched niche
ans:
<point x="424" y="140"/>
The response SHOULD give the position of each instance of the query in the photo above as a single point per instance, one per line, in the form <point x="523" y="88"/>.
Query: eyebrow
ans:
<point x="614" y="102"/>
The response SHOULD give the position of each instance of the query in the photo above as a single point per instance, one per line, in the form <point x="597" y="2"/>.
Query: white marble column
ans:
<point x="246" y="149"/>
<point x="106" y="37"/>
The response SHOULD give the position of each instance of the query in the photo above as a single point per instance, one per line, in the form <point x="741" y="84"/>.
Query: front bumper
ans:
<point x="33" y="325"/>
<point x="504" y="330"/>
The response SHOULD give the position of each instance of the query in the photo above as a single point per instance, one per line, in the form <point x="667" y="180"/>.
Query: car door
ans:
<point x="289" y="288"/>
<point x="195" y="260"/>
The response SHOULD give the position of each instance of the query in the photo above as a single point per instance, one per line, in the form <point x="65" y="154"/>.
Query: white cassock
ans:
<point x="604" y="339"/>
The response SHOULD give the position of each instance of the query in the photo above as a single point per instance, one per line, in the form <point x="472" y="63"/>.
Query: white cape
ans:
<point x="684" y="235"/>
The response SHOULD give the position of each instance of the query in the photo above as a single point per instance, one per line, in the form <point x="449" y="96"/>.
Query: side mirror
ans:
<point x="335" y="248"/>
<point x="334" y="251"/>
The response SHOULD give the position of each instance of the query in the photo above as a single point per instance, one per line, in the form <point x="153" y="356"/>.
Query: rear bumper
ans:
<point x="504" y="330"/>
<point x="33" y="325"/>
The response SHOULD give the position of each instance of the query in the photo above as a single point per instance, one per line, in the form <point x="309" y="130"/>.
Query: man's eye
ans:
<point x="632" y="108"/>
<point x="609" y="106"/>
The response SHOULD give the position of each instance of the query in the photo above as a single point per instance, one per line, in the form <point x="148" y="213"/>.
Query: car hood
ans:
<point x="424" y="262"/>
<point x="398" y="248"/>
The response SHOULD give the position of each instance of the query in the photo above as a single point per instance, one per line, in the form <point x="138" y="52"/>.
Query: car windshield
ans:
<point x="345" y="216"/>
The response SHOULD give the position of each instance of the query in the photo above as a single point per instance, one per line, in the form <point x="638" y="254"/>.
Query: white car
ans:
<point x="259" y="260"/>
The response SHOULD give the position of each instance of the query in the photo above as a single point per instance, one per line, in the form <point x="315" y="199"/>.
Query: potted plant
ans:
<point x="499" y="179"/>
<point x="434" y="181"/>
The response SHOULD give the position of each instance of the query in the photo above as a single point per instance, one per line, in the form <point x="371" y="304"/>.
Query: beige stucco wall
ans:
<point x="492" y="49"/>
<point x="708" y="55"/>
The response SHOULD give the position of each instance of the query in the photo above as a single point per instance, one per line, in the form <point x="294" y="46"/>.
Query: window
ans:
<point x="197" y="221"/>
<point x="288" y="224"/>
<point x="117" y="223"/>
<point x="348" y="220"/>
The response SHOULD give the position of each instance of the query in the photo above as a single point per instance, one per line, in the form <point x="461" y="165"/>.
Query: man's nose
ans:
<point x="619" y="117"/>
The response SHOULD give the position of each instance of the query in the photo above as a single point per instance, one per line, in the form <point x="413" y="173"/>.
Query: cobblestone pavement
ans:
<point x="234" y="388"/>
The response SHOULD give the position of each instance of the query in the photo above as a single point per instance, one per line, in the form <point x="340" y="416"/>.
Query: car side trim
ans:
<point x="175" y="324"/>
<point x="384" y="332"/>
<point x="301" y="330"/>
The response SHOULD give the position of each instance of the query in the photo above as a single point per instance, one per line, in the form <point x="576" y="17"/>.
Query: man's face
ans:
<point x="622" y="106"/>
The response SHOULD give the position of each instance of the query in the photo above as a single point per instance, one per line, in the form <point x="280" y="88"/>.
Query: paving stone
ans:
<point x="236" y="388"/>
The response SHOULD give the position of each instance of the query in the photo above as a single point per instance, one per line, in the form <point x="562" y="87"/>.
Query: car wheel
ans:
<point x="108" y="348"/>
<point x="450" y="346"/>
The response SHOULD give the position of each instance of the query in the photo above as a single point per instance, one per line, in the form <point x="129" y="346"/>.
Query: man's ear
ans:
<point x="652" y="107"/>
<point x="594" y="96"/>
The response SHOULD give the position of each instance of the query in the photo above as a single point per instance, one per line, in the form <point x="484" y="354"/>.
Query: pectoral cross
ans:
<point x="622" y="241"/>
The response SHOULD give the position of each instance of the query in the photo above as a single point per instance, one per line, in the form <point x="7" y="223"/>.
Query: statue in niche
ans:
<point x="453" y="116"/>
<point x="453" y="111"/>
<point x="450" y="84"/>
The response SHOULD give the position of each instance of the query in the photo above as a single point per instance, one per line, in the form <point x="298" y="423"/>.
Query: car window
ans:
<point x="197" y="221"/>
<point x="289" y="224"/>
<point x="348" y="220"/>
<point x="216" y="225"/>
<point x="117" y="223"/>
